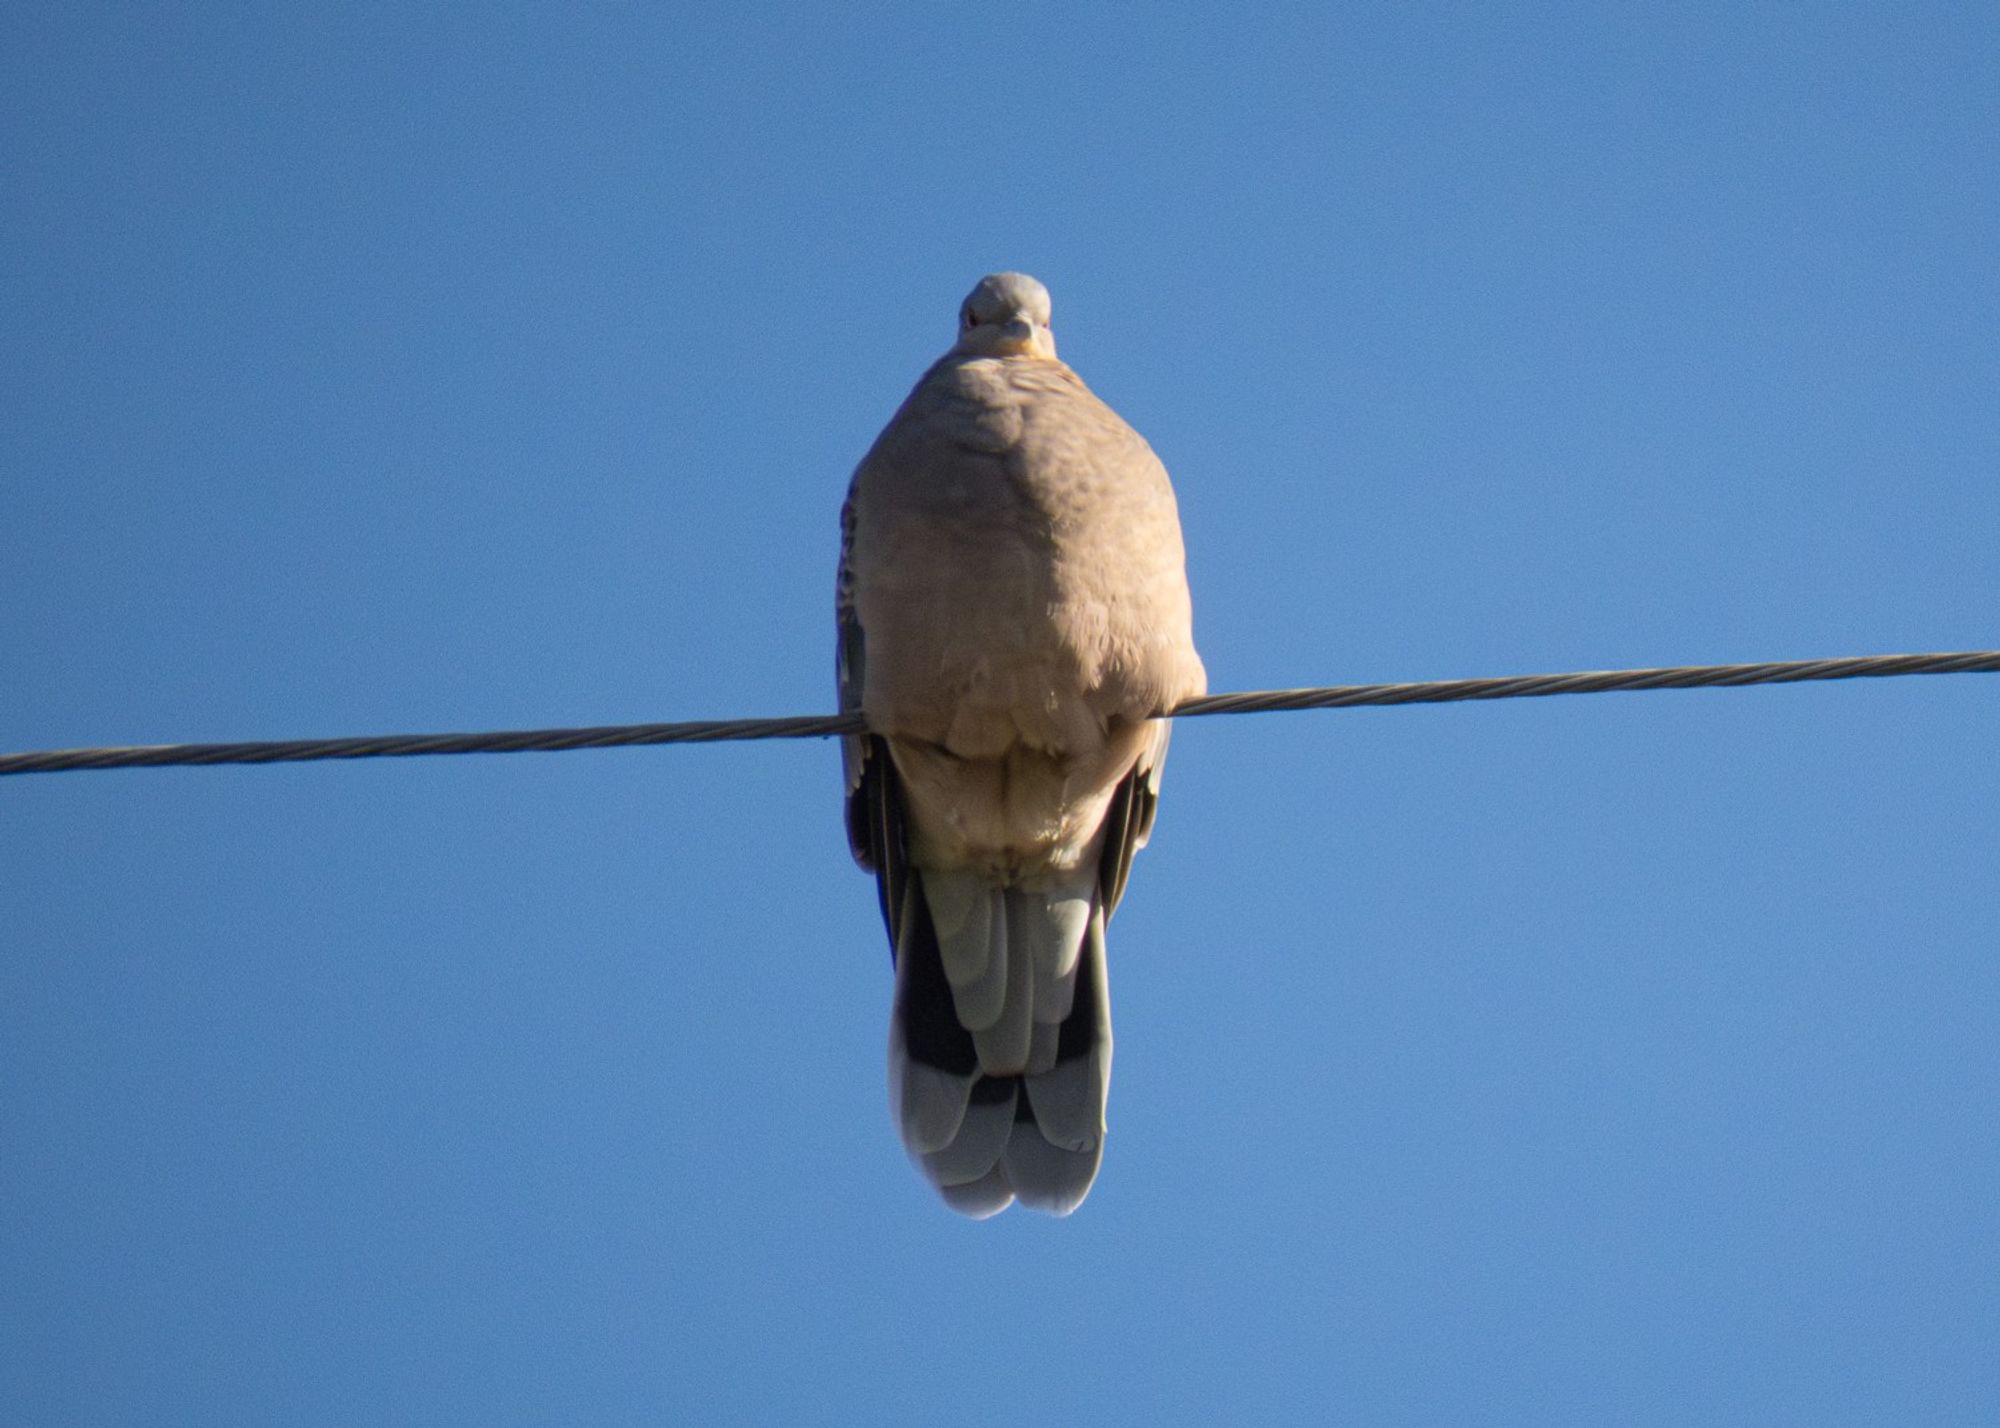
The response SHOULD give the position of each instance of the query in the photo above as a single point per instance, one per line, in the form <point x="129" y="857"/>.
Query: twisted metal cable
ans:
<point x="1608" y="681"/>
<point x="706" y="731"/>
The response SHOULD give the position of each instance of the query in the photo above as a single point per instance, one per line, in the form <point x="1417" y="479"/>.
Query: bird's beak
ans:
<point x="1017" y="336"/>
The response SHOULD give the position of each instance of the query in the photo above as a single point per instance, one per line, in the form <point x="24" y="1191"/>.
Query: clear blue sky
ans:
<point x="1627" y="1059"/>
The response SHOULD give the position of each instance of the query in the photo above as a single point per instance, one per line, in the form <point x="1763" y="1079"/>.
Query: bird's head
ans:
<point x="1006" y="315"/>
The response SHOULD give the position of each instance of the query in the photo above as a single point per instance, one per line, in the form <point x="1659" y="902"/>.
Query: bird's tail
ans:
<point x="1000" y="1042"/>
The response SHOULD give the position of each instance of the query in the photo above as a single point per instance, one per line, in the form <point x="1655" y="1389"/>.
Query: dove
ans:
<point x="1013" y="614"/>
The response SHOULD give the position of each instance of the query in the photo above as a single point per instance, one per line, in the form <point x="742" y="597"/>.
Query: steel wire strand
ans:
<point x="704" y="731"/>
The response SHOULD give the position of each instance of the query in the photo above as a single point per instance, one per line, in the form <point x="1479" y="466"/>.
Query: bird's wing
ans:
<point x="874" y="803"/>
<point x="1128" y="822"/>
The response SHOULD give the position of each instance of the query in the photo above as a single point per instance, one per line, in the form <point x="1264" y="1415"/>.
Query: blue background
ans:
<point x="1624" y="1059"/>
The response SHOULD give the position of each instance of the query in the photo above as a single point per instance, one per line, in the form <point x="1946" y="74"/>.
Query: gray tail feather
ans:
<point x="1013" y="1109"/>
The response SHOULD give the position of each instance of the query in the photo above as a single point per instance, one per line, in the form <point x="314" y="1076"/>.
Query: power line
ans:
<point x="708" y="731"/>
<point x="1609" y="681"/>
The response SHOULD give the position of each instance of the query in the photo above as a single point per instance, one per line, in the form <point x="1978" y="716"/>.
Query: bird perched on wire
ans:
<point x="1013" y="608"/>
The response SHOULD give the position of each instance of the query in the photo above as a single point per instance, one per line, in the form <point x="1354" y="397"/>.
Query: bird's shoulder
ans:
<point x="994" y="406"/>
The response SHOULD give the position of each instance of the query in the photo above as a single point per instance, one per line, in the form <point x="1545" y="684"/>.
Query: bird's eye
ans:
<point x="971" y="318"/>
